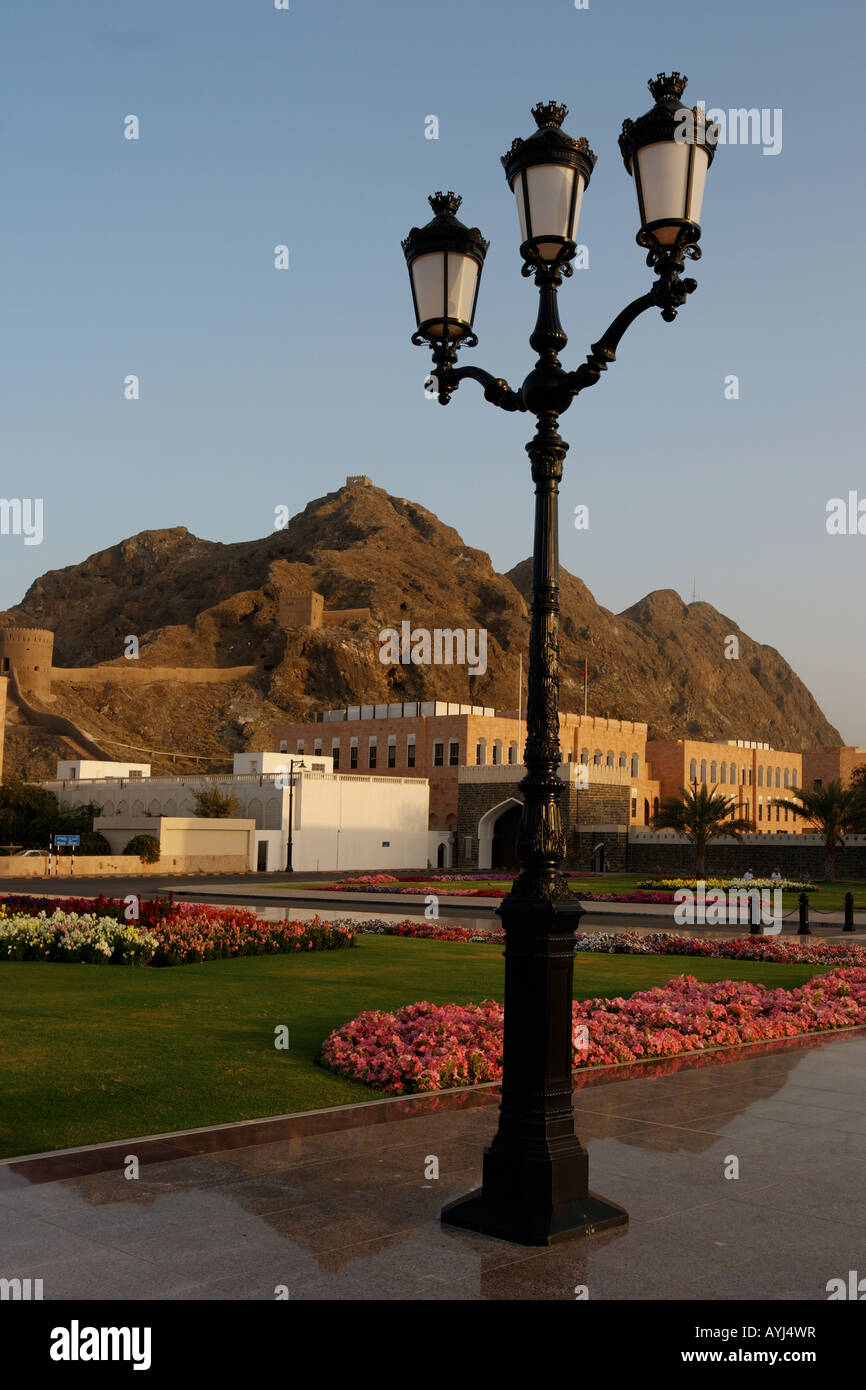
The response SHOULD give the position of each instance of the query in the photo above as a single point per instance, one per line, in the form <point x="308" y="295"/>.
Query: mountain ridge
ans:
<point x="199" y="603"/>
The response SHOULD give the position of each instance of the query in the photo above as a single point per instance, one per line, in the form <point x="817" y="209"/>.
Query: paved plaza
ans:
<point x="339" y="1205"/>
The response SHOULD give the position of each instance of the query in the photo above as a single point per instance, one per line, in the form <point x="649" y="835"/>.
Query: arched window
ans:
<point x="769" y="775"/>
<point x="703" y="769"/>
<point x="597" y="757"/>
<point x="609" y="759"/>
<point x="497" y="752"/>
<point x="751" y="776"/>
<point x="714" y="772"/>
<point x="794" y="778"/>
<point x="481" y="753"/>
<point x="760" y="808"/>
<point x="634" y="805"/>
<point x="646" y="812"/>
<point x="635" y="765"/>
<point x="778" y="777"/>
<point x="655" y="805"/>
<point x="693" y="770"/>
<point x="733" y="774"/>
<point x="584" y="755"/>
<point x="760" y="776"/>
<point x="787" y="778"/>
<point x="724" y="776"/>
<point x="623" y="761"/>
<point x="512" y="752"/>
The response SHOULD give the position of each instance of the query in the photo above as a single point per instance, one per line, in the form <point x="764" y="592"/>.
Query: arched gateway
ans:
<point x="497" y="835"/>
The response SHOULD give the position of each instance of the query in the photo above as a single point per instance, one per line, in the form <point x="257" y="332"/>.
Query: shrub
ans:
<point x="145" y="846"/>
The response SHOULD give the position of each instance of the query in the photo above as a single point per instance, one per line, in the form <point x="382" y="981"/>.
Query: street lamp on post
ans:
<point x="535" y="1179"/>
<point x="293" y="763"/>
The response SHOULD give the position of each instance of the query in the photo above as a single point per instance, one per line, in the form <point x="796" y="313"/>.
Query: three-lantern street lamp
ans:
<point x="535" y="1177"/>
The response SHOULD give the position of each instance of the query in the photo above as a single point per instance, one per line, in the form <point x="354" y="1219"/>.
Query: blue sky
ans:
<point x="261" y="387"/>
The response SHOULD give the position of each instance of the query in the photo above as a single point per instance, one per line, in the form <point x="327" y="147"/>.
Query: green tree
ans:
<point x="701" y="816"/>
<point x="212" y="802"/>
<point x="834" y="810"/>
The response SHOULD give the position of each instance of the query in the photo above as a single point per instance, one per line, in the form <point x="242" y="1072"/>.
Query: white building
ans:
<point x="85" y="770"/>
<point x="339" y="821"/>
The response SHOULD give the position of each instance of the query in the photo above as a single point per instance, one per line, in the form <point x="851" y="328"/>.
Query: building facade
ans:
<point x="754" y="777"/>
<point x="338" y="822"/>
<point x="824" y="765"/>
<point x="435" y="739"/>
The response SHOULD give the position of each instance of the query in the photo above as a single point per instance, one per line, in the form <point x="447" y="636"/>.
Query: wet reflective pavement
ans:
<point x="341" y="1205"/>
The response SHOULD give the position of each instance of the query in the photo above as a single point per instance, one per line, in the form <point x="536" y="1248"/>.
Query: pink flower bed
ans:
<point x="432" y="1047"/>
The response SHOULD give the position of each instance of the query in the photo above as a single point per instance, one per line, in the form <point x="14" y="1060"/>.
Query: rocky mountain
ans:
<point x="197" y="603"/>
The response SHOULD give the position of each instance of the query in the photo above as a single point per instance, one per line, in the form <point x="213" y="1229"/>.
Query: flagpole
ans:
<point x="520" y="701"/>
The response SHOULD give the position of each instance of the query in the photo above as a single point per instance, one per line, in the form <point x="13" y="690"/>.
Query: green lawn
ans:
<point x="96" y="1052"/>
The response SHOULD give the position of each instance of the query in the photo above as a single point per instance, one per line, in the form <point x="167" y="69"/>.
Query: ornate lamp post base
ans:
<point x="535" y="1184"/>
<point x="531" y="1225"/>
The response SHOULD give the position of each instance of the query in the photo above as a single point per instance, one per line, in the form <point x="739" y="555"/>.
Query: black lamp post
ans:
<point x="293" y="763"/>
<point x="535" y="1182"/>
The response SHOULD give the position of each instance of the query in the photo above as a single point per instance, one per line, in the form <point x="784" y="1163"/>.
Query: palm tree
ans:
<point x="700" y="815"/>
<point x="834" y="810"/>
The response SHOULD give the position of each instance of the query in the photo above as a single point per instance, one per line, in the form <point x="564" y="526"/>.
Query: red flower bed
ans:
<point x="432" y="1047"/>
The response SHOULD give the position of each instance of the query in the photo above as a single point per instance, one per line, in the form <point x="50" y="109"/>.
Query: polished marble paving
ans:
<point x="341" y="1205"/>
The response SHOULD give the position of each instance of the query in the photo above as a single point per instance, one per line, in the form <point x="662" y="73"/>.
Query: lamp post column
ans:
<point x="289" y="869"/>
<point x="535" y="1173"/>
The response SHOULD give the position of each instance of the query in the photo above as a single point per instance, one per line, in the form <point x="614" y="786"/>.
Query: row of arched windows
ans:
<point x="726" y="774"/>
<point x="501" y="752"/>
<point x="609" y="759"/>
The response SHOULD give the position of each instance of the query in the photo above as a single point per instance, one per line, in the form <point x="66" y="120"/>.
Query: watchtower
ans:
<point x="29" y="652"/>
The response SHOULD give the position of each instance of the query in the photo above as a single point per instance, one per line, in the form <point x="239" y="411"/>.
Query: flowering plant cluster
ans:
<point x="74" y="938"/>
<point x="429" y="1047"/>
<point x="789" y="950"/>
<point x="425" y="931"/>
<point x="199" y="933"/>
<point x="168" y="933"/>
<point x="149" y="909"/>
<point x="786" y="884"/>
<point x="421" y="1047"/>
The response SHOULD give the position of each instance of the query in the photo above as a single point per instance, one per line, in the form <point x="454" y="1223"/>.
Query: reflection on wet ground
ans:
<point x="338" y="1206"/>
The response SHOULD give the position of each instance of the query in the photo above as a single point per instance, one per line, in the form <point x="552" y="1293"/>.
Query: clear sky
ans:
<point x="259" y="387"/>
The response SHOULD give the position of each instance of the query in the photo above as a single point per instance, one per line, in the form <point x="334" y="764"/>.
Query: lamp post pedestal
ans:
<point x="535" y="1174"/>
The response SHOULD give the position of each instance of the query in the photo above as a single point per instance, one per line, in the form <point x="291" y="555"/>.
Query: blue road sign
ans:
<point x="67" y="840"/>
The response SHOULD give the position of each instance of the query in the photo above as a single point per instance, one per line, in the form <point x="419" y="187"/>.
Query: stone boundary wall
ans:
<point x="122" y="865"/>
<point x="133" y="674"/>
<point x="336" y="617"/>
<point x="55" y="723"/>
<point x="670" y="859"/>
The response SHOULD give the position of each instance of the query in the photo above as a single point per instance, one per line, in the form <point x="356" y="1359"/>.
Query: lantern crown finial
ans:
<point x="666" y="87"/>
<point x="549" y="113"/>
<point x="444" y="204"/>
